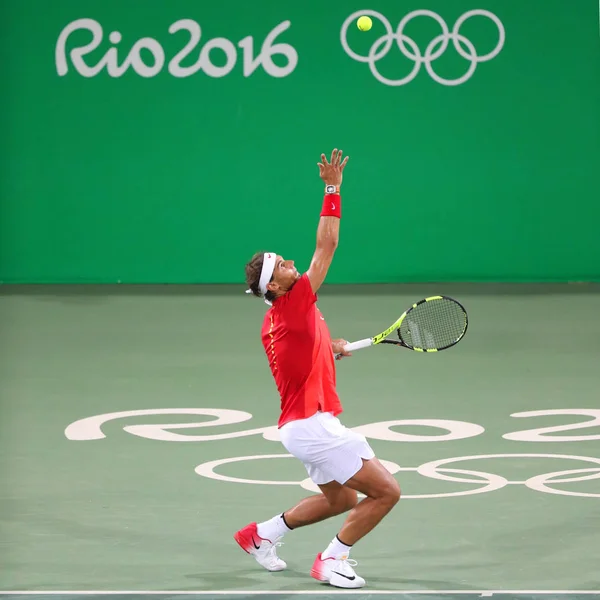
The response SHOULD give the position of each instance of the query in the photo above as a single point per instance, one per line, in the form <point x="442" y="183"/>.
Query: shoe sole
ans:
<point x="340" y="582"/>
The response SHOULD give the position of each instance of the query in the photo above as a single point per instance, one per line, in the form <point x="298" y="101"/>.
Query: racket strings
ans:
<point x="433" y="325"/>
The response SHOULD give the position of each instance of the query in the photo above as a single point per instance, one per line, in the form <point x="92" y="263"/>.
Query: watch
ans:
<point x="332" y="189"/>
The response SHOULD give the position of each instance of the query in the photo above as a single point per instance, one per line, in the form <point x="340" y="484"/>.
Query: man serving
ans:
<point x="300" y="354"/>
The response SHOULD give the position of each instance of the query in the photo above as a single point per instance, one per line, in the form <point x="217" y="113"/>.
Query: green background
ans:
<point x="178" y="180"/>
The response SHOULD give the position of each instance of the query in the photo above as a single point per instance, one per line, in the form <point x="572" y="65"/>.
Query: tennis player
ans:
<point x="300" y="353"/>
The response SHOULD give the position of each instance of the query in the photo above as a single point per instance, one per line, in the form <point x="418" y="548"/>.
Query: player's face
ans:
<point x="284" y="275"/>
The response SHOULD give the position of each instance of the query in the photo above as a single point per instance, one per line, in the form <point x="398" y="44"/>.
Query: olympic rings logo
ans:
<point x="436" y="469"/>
<point x="381" y="46"/>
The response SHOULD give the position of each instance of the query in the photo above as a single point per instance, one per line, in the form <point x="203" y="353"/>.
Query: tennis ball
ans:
<point x="364" y="23"/>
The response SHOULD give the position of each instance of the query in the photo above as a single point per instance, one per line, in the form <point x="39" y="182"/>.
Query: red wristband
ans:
<point x="332" y="206"/>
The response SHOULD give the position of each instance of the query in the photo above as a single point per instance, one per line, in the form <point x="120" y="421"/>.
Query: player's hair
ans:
<point x="253" y="269"/>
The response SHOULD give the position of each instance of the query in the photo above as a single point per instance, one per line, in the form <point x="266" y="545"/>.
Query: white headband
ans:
<point x="266" y="273"/>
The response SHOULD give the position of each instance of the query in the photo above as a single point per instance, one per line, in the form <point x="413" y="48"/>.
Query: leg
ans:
<point x="262" y="540"/>
<point x="335" y="500"/>
<point x="382" y="491"/>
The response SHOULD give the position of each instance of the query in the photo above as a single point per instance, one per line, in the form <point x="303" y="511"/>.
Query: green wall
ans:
<point x="176" y="174"/>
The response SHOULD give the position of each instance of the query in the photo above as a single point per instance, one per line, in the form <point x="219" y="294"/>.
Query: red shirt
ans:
<point x="298" y="346"/>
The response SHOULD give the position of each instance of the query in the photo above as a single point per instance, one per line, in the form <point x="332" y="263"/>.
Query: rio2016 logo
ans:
<point x="151" y="68"/>
<point x="550" y="481"/>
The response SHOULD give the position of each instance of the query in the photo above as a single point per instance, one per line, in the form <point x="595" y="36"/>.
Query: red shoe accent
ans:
<point x="248" y="538"/>
<point x="317" y="569"/>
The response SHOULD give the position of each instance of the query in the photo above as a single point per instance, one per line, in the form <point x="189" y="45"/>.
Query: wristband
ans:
<point x="332" y="206"/>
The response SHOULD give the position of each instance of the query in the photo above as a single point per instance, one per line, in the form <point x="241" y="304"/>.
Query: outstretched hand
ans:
<point x="331" y="172"/>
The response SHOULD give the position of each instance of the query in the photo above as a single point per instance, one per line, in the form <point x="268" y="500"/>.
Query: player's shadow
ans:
<point x="245" y="579"/>
<point x="291" y="579"/>
<point x="406" y="583"/>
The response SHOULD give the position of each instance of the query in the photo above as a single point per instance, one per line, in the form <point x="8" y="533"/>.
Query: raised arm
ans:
<point x="328" y="230"/>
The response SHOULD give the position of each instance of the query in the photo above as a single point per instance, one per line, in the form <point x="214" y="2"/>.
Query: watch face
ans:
<point x="331" y="188"/>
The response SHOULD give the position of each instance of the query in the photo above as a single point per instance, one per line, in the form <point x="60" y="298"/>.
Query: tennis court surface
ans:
<point x="137" y="435"/>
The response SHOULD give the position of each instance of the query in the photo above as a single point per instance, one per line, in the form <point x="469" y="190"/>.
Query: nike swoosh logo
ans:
<point x="346" y="576"/>
<point x="332" y="206"/>
<point x="254" y="542"/>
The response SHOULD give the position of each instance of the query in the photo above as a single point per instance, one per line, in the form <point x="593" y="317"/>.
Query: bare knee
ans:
<point x="377" y="483"/>
<point x="340" y="498"/>
<point x="346" y="500"/>
<point x="391" y="492"/>
<point x="351" y="499"/>
<point x="386" y="490"/>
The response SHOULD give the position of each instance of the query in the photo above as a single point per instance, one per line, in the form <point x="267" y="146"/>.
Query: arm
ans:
<point x="329" y="224"/>
<point x="327" y="241"/>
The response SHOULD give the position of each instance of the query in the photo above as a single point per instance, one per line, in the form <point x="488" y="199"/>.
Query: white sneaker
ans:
<point x="264" y="551"/>
<point x="338" y="572"/>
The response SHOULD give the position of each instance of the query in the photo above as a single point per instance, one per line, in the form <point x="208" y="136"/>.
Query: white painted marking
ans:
<point x="294" y="592"/>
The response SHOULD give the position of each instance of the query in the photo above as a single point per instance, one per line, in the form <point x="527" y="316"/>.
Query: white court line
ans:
<point x="364" y="591"/>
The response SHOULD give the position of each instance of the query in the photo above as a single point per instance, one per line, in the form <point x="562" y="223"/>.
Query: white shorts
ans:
<point x="329" y="450"/>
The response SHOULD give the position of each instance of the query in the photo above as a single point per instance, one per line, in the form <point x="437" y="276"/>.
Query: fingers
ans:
<point x="334" y="161"/>
<point x="339" y="349"/>
<point x="336" y="157"/>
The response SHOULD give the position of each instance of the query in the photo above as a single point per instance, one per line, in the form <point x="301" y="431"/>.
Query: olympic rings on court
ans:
<point x="436" y="469"/>
<point x="381" y="46"/>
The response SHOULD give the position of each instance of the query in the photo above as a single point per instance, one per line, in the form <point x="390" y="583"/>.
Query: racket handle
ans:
<point x="358" y="345"/>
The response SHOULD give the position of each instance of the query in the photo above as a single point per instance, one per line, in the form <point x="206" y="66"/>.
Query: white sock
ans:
<point x="273" y="528"/>
<point x="336" y="550"/>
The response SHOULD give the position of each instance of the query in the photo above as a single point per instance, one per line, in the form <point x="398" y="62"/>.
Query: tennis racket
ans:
<point x="430" y="325"/>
